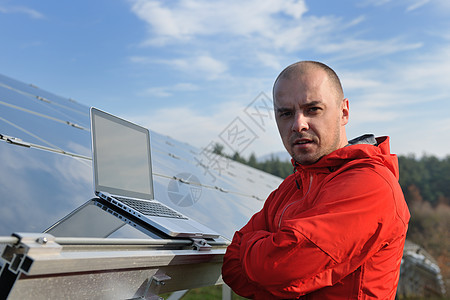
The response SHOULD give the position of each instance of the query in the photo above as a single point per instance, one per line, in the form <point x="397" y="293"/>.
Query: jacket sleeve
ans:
<point x="315" y="248"/>
<point x="233" y="273"/>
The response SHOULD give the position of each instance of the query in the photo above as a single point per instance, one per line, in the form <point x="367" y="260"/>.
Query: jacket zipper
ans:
<point x="286" y="207"/>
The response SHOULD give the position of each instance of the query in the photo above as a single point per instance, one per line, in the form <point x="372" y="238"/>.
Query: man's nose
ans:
<point x="300" y="123"/>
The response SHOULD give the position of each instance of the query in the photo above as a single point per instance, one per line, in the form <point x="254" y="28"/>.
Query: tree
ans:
<point x="218" y="149"/>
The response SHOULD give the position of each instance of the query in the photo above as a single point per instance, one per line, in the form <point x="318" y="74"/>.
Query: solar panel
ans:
<point x="47" y="172"/>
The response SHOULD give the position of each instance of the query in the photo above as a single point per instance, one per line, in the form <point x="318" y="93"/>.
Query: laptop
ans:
<point x="123" y="178"/>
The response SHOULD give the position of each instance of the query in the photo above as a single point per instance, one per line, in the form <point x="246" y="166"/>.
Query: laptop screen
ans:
<point x="121" y="156"/>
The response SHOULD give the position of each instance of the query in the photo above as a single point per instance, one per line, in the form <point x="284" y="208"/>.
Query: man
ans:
<point x="334" y="229"/>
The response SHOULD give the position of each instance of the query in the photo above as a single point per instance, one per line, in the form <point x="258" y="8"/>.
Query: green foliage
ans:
<point x="218" y="149"/>
<point x="273" y="165"/>
<point x="205" y="293"/>
<point x="427" y="178"/>
<point x="276" y="167"/>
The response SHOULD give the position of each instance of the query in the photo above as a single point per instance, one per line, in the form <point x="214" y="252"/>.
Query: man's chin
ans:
<point x="305" y="159"/>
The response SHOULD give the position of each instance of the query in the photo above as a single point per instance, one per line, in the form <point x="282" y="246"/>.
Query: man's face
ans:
<point x="309" y="115"/>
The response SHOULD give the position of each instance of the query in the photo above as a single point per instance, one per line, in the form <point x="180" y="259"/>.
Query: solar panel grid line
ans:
<point x="63" y="152"/>
<point x="212" y="187"/>
<point x="49" y="104"/>
<point x="44" y="116"/>
<point x="226" y="174"/>
<point x="44" y="99"/>
<point x="262" y="174"/>
<point x="29" y="133"/>
<point x="187" y="153"/>
<point x="20" y="142"/>
<point x="70" y="120"/>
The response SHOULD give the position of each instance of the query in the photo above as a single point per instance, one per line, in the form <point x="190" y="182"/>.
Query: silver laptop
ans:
<point x="123" y="178"/>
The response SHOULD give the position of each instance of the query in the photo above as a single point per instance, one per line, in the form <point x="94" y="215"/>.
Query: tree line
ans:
<point x="425" y="179"/>
<point x="422" y="179"/>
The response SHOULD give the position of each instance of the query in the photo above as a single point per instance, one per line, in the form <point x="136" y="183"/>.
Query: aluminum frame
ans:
<point x="40" y="266"/>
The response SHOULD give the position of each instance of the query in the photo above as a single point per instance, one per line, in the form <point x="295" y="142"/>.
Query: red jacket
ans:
<point x="332" y="230"/>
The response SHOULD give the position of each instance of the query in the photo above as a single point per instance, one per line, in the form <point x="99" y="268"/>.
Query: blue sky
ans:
<point x="196" y="70"/>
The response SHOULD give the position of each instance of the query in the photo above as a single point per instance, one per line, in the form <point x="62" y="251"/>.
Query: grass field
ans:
<point x="205" y="293"/>
<point x="215" y="293"/>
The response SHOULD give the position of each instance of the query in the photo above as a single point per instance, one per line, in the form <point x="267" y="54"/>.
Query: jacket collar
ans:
<point x="365" y="139"/>
<point x="363" y="147"/>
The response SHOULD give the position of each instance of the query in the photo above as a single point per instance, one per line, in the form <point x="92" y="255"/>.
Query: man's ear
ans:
<point x="344" y="111"/>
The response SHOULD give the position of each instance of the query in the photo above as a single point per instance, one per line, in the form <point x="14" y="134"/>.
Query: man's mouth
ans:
<point x="302" y="141"/>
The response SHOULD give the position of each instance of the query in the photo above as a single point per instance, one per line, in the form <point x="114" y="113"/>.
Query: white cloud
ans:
<point x="428" y="72"/>
<point x="375" y="2"/>
<point x="140" y="59"/>
<point x="411" y="5"/>
<point x="269" y="24"/>
<point x="359" y="80"/>
<point x="160" y="18"/>
<point x="270" y="60"/>
<point x="215" y="37"/>
<point x="201" y="66"/>
<point x="250" y="28"/>
<point x="205" y="64"/>
<point x="184" y="19"/>
<point x="21" y="10"/>
<point x="417" y="5"/>
<point x="397" y="85"/>
<point x="354" y="48"/>
<point x="407" y="99"/>
<point x="157" y="92"/>
<point x="182" y="121"/>
<point x="167" y="91"/>
<point x="442" y="5"/>
<point x="198" y="129"/>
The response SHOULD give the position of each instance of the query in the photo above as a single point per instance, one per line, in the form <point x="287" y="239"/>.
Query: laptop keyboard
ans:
<point x="151" y="208"/>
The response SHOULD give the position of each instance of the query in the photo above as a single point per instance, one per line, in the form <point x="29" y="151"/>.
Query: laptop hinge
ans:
<point x="201" y="245"/>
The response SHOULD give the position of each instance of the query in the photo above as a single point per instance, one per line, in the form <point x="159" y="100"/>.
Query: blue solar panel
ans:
<point x="46" y="171"/>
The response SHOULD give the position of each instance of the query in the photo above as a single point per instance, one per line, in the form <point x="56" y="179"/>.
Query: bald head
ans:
<point x="310" y="111"/>
<point x="304" y="67"/>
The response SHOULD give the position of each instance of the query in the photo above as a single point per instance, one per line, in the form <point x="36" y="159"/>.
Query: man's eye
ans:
<point x="285" y="114"/>
<point x="314" y="109"/>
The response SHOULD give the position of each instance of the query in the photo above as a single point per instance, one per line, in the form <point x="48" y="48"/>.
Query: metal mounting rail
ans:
<point x="40" y="266"/>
